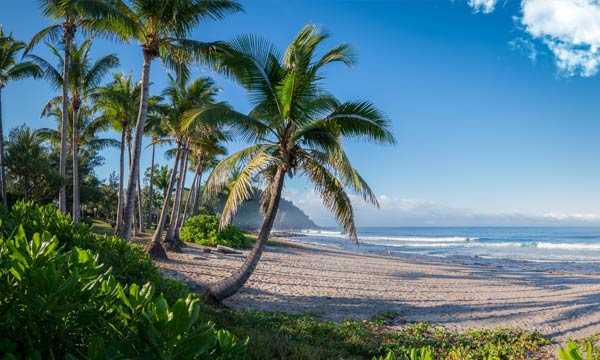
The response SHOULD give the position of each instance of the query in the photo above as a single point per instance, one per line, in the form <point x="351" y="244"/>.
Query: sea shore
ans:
<point x="338" y="284"/>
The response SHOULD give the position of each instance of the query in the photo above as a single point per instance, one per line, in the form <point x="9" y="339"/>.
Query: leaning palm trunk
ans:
<point x="119" y="222"/>
<point x="171" y="240"/>
<point x="75" y="148"/>
<point x="133" y="216"/>
<point x="190" y="197"/>
<point x="155" y="249"/>
<point x="140" y="211"/>
<point x="177" y="223"/>
<point x="68" y="35"/>
<point x="150" y="215"/>
<point x="229" y="286"/>
<point x="137" y="145"/>
<point x="2" y="168"/>
<point x="198" y="190"/>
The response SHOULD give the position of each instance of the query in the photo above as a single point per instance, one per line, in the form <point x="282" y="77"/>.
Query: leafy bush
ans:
<point x="64" y="304"/>
<point x="130" y="264"/>
<point x="204" y="230"/>
<point x="572" y="352"/>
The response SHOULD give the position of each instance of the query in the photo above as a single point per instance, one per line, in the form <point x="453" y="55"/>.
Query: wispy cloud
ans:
<point x="415" y="212"/>
<point x="570" y="29"/>
<point x="483" y="6"/>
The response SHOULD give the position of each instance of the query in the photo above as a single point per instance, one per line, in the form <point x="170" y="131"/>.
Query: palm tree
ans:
<point x="200" y="94"/>
<point x="119" y="102"/>
<point x="91" y="15"/>
<point x="206" y="146"/>
<point x="11" y="70"/>
<point x="297" y="129"/>
<point x="84" y="77"/>
<point x="162" y="28"/>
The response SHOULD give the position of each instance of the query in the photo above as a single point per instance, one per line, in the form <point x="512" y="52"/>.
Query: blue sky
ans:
<point x="494" y="103"/>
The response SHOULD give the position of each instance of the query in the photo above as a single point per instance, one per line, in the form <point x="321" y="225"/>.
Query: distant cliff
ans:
<point x="289" y="217"/>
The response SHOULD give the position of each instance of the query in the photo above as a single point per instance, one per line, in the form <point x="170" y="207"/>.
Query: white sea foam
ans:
<point x="568" y="246"/>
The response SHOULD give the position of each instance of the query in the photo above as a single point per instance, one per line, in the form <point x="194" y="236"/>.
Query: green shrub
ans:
<point x="572" y="352"/>
<point x="204" y="230"/>
<point x="129" y="262"/>
<point x="63" y="304"/>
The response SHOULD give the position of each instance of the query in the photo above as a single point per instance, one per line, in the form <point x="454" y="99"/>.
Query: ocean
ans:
<point x="534" y="248"/>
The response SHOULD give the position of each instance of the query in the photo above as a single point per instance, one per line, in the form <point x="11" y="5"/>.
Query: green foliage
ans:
<point x="62" y="304"/>
<point x="285" y="336"/>
<point x="424" y="353"/>
<point x="130" y="263"/>
<point x="572" y="352"/>
<point x="204" y="230"/>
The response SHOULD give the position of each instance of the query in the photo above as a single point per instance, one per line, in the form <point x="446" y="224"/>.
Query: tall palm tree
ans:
<point x="119" y="102"/>
<point x="10" y="70"/>
<point x="162" y="28"/>
<point x="84" y="76"/>
<point x="206" y="146"/>
<point x="90" y="15"/>
<point x="296" y="128"/>
<point x="200" y="94"/>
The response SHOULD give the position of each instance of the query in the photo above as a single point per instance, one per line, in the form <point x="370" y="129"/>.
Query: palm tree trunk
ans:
<point x="68" y="34"/>
<point x="75" y="147"/>
<point x="181" y="195"/>
<point x="133" y="217"/>
<point x="150" y="194"/>
<point x="137" y="145"/>
<point x="119" y="223"/>
<point x="140" y="211"/>
<point x="229" y="286"/>
<point x="197" y="195"/>
<point x="193" y="191"/>
<point x="155" y="248"/>
<point x="170" y="238"/>
<point x="2" y="168"/>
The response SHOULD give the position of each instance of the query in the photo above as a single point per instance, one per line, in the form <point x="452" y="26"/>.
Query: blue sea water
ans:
<point x="543" y="248"/>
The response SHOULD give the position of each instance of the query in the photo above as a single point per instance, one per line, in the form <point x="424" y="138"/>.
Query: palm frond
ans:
<point x="332" y="193"/>
<point x="241" y="189"/>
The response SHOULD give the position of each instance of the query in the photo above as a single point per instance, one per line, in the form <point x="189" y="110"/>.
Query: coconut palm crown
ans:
<point x="296" y="128"/>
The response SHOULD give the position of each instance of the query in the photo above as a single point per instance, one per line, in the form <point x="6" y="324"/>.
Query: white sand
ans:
<point x="337" y="284"/>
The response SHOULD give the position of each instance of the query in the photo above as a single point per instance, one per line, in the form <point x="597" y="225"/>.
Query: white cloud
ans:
<point x="415" y="212"/>
<point x="570" y="29"/>
<point x="483" y="6"/>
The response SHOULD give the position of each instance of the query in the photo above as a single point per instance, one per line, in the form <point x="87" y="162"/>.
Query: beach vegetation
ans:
<point x="60" y="301"/>
<point x="573" y="351"/>
<point x="204" y="230"/>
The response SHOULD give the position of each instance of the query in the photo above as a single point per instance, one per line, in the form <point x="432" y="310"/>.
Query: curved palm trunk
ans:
<point x="68" y="35"/>
<point x="229" y="286"/>
<point x="75" y="147"/>
<point x="137" y="145"/>
<point x="119" y="222"/>
<point x="150" y="194"/>
<point x="155" y="248"/>
<point x="171" y="239"/>
<point x="2" y="168"/>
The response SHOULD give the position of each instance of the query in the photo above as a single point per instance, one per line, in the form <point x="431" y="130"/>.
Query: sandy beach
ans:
<point x="337" y="284"/>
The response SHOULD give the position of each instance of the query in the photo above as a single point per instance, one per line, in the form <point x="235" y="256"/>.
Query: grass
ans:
<point x="284" y="336"/>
